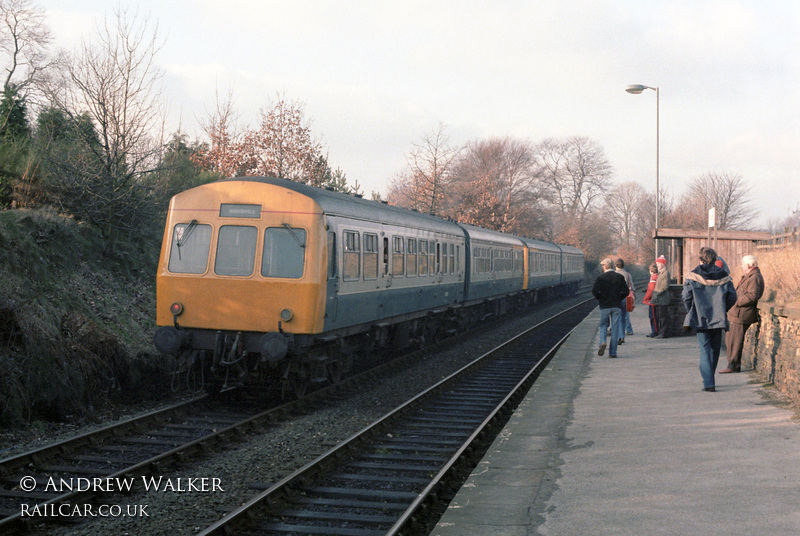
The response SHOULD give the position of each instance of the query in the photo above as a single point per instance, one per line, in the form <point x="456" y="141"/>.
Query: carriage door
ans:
<point x="332" y="297"/>
<point x="385" y="266"/>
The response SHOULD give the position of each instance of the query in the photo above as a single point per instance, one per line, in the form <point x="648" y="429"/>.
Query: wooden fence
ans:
<point x="789" y="238"/>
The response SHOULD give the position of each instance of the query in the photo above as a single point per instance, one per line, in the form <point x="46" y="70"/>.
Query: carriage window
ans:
<point x="236" y="250"/>
<point x="423" y="257"/>
<point x="370" y="256"/>
<point x="352" y="256"/>
<point x="190" y="245"/>
<point x="411" y="246"/>
<point x="398" y="260"/>
<point x="438" y="261"/>
<point x="284" y="251"/>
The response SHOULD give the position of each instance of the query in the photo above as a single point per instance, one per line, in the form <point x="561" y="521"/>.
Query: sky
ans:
<point x="375" y="76"/>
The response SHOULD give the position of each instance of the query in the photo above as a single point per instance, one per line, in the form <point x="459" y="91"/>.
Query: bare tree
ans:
<point x="576" y="174"/>
<point x="494" y="184"/>
<point x="24" y="40"/>
<point x="727" y="193"/>
<point x="626" y="205"/>
<point x="429" y="162"/>
<point x="114" y="82"/>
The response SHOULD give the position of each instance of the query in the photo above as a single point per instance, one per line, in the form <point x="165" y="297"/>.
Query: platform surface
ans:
<point x="634" y="446"/>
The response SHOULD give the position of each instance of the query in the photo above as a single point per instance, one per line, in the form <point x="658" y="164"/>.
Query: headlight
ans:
<point x="176" y="308"/>
<point x="287" y="315"/>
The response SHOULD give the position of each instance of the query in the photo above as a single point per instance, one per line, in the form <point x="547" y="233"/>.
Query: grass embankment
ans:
<point x="781" y="271"/>
<point x="76" y="319"/>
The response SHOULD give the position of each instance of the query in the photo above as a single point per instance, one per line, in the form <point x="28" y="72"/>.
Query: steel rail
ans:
<point x="283" y="490"/>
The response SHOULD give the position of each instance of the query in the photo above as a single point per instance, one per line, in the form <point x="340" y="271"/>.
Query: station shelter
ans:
<point x="681" y="248"/>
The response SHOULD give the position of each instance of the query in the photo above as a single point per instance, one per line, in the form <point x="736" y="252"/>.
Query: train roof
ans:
<point x="339" y="204"/>
<point x="570" y="250"/>
<point x="479" y="233"/>
<point x="540" y="245"/>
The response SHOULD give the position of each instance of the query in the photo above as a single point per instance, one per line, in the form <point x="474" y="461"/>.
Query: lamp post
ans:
<point x="637" y="89"/>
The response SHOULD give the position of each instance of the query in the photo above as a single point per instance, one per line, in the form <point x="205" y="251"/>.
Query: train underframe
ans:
<point x="291" y="365"/>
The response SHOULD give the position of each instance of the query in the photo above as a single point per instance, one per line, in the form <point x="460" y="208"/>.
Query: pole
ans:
<point x="658" y="146"/>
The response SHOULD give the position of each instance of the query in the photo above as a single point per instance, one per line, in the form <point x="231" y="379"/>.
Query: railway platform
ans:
<point x="634" y="446"/>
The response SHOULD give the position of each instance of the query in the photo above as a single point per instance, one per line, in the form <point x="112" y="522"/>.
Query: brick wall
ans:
<point x="772" y="348"/>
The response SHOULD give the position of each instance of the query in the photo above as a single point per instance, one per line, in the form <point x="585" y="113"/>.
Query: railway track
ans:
<point x="111" y="460"/>
<point x="67" y="472"/>
<point x="397" y="475"/>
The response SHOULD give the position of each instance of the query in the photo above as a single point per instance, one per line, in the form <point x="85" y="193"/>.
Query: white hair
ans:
<point x="749" y="260"/>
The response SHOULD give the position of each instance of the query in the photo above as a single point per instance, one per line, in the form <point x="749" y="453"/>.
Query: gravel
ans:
<point x="265" y="458"/>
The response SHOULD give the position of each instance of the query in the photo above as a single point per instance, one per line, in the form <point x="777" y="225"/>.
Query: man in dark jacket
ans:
<point x="744" y="312"/>
<point x="707" y="295"/>
<point x="609" y="289"/>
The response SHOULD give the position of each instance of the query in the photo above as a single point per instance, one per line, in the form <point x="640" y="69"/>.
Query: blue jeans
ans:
<point x="624" y="320"/>
<point x="710" y="342"/>
<point x="609" y="317"/>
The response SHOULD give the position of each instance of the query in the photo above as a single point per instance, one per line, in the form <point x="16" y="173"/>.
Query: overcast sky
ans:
<point x="375" y="76"/>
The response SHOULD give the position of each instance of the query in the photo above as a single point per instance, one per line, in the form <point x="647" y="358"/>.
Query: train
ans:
<point x="270" y="281"/>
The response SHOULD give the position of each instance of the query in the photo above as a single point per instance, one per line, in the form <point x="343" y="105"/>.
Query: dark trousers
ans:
<point x="651" y="314"/>
<point x="710" y="342"/>
<point x="734" y="341"/>
<point x="661" y="320"/>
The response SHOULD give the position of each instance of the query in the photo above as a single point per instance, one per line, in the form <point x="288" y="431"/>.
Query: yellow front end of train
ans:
<point x="242" y="256"/>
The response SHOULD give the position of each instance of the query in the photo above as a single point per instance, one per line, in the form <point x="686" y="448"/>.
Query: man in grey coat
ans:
<point x="707" y="296"/>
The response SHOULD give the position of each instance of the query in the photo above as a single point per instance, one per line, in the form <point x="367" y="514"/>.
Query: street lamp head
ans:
<point x="637" y="88"/>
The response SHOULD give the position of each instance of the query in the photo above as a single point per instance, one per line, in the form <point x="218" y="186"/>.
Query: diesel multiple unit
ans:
<point x="273" y="279"/>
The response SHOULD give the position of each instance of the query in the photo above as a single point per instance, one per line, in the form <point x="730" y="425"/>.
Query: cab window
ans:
<point x="189" y="251"/>
<point x="284" y="251"/>
<point x="236" y="250"/>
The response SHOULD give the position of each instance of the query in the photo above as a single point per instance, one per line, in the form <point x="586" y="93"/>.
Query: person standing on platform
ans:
<point x="625" y="326"/>
<point x="651" y="309"/>
<point x="708" y="294"/>
<point x="609" y="289"/>
<point x="744" y="312"/>
<point x="660" y="297"/>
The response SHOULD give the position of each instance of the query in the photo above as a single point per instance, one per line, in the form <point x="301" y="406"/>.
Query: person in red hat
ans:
<point x="651" y="309"/>
<point x="660" y="297"/>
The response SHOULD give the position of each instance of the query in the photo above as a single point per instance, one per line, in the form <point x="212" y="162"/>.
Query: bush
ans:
<point x="76" y="319"/>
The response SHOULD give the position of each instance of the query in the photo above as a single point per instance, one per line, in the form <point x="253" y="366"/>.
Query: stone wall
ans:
<point x="772" y="348"/>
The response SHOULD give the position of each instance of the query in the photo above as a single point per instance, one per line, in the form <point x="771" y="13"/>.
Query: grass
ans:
<point x="76" y="318"/>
